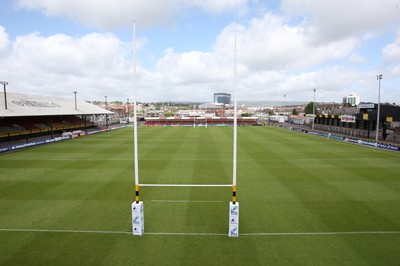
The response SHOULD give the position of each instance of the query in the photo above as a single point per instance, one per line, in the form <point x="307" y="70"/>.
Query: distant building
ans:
<point x="221" y="97"/>
<point x="211" y="106"/>
<point x="363" y="123"/>
<point x="191" y="113"/>
<point x="353" y="99"/>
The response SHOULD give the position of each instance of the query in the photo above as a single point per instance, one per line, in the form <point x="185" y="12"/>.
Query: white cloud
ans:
<point x="64" y="54"/>
<point x="95" y="65"/>
<point x="396" y="71"/>
<point x="191" y="67"/>
<point x="277" y="54"/>
<point x="192" y="75"/>
<point x="220" y="5"/>
<point x="391" y="52"/>
<point x="331" y="83"/>
<point x="270" y="43"/>
<point x="391" y="57"/>
<point x="356" y="58"/>
<point x="337" y="19"/>
<point x="4" y="40"/>
<point x="107" y="14"/>
<point x="91" y="64"/>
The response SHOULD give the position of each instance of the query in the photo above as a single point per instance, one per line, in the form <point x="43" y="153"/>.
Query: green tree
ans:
<point x="294" y="112"/>
<point x="246" y="115"/>
<point x="309" y="108"/>
<point x="158" y="106"/>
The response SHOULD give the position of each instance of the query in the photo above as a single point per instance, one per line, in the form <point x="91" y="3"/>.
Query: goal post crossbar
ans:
<point x="185" y="185"/>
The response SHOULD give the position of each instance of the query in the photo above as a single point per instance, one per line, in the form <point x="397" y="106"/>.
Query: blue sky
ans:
<point x="185" y="49"/>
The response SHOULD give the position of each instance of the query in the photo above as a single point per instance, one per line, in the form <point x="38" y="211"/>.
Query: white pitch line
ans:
<point x="201" y="234"/>
<point x="320" y="233"/>
<point x="63" y="231"/>
<point x="188" y="201"/>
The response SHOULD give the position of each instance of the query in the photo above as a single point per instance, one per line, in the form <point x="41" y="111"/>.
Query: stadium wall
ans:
<point x="52" y="140"/>
<point x="386" y="146"/>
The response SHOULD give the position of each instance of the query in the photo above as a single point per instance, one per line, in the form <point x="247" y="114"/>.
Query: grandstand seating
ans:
<point x="29" y="126"/>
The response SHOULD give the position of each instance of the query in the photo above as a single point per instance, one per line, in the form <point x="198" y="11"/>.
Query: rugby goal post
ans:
<point x="137" y="207"/>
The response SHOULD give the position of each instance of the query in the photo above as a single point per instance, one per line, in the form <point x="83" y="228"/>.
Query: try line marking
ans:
<point x="201" y="234"/>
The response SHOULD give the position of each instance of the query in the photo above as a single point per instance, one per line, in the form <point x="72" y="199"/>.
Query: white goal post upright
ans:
<point x="233" y="205"/>
<point x="137" y="205"/>
<point x="234" y="121"/>
<point x="136" y="164"/>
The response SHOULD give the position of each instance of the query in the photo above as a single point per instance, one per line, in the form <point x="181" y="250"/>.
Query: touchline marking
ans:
<point x="63" y="231"/>
<point x="200" y="234"/>
<point x="188" y="201"/>
<point x="321" y="233"/>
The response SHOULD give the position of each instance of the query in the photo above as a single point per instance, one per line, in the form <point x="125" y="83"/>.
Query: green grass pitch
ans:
<point x="304" y="200"/>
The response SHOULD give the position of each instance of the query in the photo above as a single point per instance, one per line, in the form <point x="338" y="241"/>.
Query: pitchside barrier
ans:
<point x="33" y="143"/>
<point x="51" y="140"/>
<point x="385" y="146"/>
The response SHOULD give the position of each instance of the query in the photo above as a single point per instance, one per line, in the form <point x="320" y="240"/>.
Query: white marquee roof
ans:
<point x="36" y="105"/>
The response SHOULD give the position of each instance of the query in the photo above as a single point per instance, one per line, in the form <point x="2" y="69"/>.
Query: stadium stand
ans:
<point x="199" y="121"/>
<point x="31" y="116"/>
